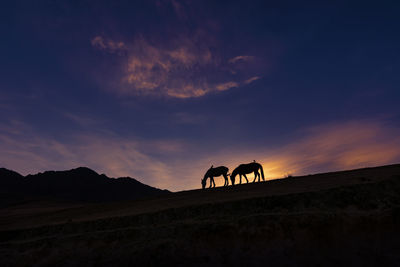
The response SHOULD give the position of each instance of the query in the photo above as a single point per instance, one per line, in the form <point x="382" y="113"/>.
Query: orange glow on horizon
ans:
<point x="327" y="148"/>
<point x="333" y="147"/>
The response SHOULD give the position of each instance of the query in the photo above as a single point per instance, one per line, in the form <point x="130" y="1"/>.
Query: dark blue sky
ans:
<point x="160" y="90"/>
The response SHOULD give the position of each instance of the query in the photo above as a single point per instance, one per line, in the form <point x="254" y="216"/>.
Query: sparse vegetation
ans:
<point x="351" y="224"/>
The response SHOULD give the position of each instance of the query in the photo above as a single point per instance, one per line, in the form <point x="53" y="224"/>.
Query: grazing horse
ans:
<point x="214" y="172"/>
<point x="244" y="169"/>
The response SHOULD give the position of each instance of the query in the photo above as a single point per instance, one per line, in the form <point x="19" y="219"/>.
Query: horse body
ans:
<point x="215" y="172"/>
<point x="244" y="169"/>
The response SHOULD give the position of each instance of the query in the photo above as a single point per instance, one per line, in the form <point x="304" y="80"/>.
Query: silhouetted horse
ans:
<point x="215" y="172"/>
<point x="244" y="169"/>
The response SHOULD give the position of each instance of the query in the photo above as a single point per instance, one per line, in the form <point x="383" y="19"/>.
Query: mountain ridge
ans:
<point x="81" y="184"/>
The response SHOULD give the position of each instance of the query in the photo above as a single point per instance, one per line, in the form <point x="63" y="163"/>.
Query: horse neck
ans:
<point x="234" y="173"/>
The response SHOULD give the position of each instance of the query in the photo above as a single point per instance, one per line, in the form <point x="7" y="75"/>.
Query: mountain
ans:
<point x="9" y="180"/>
<point x="81" y="184"/>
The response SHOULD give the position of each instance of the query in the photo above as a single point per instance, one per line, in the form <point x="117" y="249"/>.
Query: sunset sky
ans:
<point x="159" y="90"/>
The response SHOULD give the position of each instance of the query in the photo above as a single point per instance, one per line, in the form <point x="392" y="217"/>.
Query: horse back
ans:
<point x="248" y="167"/>
<point x="221" y="170"/>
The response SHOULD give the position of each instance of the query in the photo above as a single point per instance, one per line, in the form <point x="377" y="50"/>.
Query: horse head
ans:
<point x="203" y="183"/>
<point x="232" y="178"/>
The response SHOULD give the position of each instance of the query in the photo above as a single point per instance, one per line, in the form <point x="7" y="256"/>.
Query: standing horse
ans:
<point x="244" y="169"/>
<point x="215" y="172"/>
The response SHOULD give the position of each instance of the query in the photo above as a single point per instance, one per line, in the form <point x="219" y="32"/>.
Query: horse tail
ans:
<point x="262" y="172"/>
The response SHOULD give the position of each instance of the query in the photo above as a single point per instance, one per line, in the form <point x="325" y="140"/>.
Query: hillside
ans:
<point x="340" y="218"/>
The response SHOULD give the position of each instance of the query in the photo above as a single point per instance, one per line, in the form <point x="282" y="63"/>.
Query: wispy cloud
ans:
<point x="108" y="45"/>
<point x="81" y="119"/>
<point x="240" y="58"/>
<point x="152" y="69"/>
<point x="186" y="67"/>
<point x="226" y="86"/>
<point x="188" y="91"/>
<point x="190" y="62"/>
<point x="252" y="79"/>
<point x="179" y="9"/>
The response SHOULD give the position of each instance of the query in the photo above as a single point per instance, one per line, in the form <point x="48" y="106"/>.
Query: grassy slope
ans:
<point x="346" y="218"/>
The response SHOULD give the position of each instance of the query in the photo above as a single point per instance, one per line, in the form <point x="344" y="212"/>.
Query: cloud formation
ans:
<point x="182" y="68"/>
<point x="241" y="58"/>
<point x="252" y="79"/>
<point x="107" y="45"/>
<point x="226" y="86"/>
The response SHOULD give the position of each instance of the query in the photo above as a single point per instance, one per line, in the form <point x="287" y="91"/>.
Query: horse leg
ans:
<point x="255" y="176"/>
<point x="211" y="181"/>
<point x="226" y="180"/>
<point x="240" y="178"/>
<point x="247" y="180"/>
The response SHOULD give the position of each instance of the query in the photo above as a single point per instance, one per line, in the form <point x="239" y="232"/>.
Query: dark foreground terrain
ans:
<point x="347" y="218"/>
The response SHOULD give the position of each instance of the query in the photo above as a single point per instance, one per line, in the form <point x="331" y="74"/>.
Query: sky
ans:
<point x="160" y="90"/>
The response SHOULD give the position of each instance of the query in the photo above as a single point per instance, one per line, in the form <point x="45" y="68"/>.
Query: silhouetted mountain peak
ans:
<point x="7" y="174"/>
<point x="9" y="179"/>
<point x="83" y="171"/>
<point x="80" y="175"/>
<point x="78" y="171"/>
<point x="80" y="183"/>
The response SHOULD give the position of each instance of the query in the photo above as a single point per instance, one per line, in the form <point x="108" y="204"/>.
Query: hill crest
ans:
<point x="81" y="184"/>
